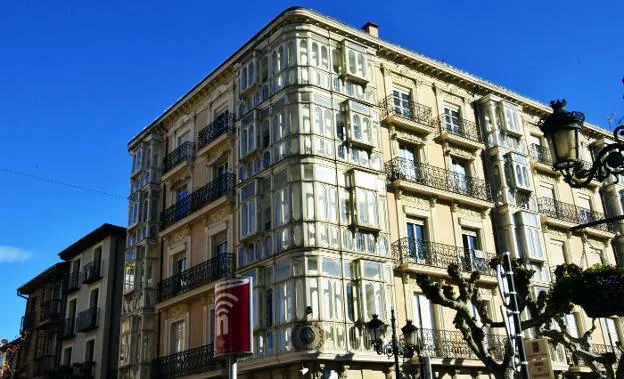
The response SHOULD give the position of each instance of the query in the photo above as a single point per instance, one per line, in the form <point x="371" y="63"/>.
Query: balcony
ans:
<point x="28" y="322"/>
<point x="193" y="361"/>
<point x="408" y="252"/>
<point x="69" y="328"/>
<point x="451" y="344"/>
<point x="541" y="158"/>
<point x="459" y="131"/>
<point x="196" y="276"/>
<point x="566" y="215"/>
<point x="431" y="180"/>
<point x="50" y="311"/>
<point x="184" y="152"/>
<point x="412" y="116"/>
<point x="92" y="271"/>
<point x="224" y="124"/>
<point x="87" y="320"/>
<point x="73" y="281"/>
<point x="45" y="365"/>
<point x="222" y="186"/>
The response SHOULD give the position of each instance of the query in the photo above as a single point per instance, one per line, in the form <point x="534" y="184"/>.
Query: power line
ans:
<point x="81" y="188"/>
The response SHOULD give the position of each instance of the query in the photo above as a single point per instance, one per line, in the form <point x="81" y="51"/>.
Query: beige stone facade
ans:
<point x="332" y="166"/>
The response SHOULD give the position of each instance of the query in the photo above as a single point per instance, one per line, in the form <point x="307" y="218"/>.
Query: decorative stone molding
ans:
<point x="458" y="151"/>
<point x="467" y="211"/>
<point x="218" y="215"/>
<point x="416" y="200"/>
<point x="177" y="310"/>
<point x="409" y="137"/>
<point x="179" y="234"/>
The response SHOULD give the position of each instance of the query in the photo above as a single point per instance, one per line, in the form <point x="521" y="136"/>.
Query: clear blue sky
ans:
<point x="78" y="80"/>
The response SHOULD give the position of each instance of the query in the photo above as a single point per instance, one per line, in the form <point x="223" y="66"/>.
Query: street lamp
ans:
<point x="376" y="329"/>
<point x="562" y="129"/>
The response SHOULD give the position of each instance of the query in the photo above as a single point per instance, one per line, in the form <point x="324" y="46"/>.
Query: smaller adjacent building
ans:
<point x="70" y="328"/>
<point x="42" y="322"/>
<point x="89" y="338"/>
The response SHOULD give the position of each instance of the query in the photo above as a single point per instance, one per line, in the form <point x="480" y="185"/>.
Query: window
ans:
<point x="67" y="355"/>
<point x="182" y="136"/>
<point x="556" y="253"/>
<point x="356" y="63"/>
<point x="178" y="337"/>
<point x="367" y="207"/>
<point x="529" y="235"/>
<point x="512" y="119"/>
<point x="452" y="120"/>
<point x="130" y="271"/>
<point x="401" y="102"/>
<point x="518" y="171"/>
<point x="284" y="302"/>
<point x="247" y="140"/>
<point x="178" y="263"/>
<point x="89" y="351"/>
<point x="248" y="210"/>
<point x="610" y="332"/>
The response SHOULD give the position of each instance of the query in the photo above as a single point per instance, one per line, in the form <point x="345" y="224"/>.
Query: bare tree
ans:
<point x="462" y="293"/>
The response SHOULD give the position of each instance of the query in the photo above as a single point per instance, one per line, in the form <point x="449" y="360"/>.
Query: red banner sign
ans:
<point x="233" y="330"/>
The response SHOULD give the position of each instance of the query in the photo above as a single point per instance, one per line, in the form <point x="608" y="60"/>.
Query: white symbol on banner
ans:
<point x="225" y="302"/>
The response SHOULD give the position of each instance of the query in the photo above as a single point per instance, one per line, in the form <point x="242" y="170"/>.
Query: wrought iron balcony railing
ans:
<point x="222" y="186"/>
<point x="92" y="271"/>
<point x="73" y="281"/>
<point x="196" y="276"/>
<point x="184" y="152"/>
<point x="540" y="154"/>
<point x="450" y="344"/>
<point x="193" y="361"/>
<point x="459" y="127"/>
<point x="69" y="328"/>
<point x="83" y="370"/>
<point x="439" y="178"/>
<point x="44" y="365"/>
<point x="87" y="320"/>
<point x="408" y="250"/>
<point x="50" y="310"/>
<point x="571" y="213"/>
<point x="222" y="125"/>
<point x="393" y="106"/>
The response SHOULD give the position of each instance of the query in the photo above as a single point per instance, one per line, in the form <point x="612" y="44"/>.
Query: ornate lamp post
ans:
<point x="376" y="329"/>
<point x="562" y="129"/>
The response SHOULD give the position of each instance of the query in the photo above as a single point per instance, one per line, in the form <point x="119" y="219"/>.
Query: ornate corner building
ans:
<point x="331" y="167"/>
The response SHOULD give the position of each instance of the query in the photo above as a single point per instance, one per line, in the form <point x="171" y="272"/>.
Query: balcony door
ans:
<point x="183" y="137"/>
<point x="610" y="334"/>
<point x="585" y="212"/>
<point x="460" y="173"/>
<point x="182" y="207"/>
<point x="409" y="159"/>
<point x="474" y="258"/>
<point x="178" y="337"/>
<point x="422" y="317"/>
<point x="416" y="236"/>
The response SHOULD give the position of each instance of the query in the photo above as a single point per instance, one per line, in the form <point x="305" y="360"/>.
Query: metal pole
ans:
<point x="395" y="348"/>
<point x="233" y="368"/>
<point x="513" y="307"/>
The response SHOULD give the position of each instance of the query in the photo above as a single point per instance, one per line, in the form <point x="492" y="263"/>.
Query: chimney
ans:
<point x="371" y="28"/>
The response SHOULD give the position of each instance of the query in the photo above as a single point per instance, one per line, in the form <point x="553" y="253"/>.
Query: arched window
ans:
<point x="315" y="54"/>
<point x="244" y="78"/>
<point x="318" y="128"/>
<point x="291" y="53"/>
<point x="324" y="58"/>
<point x="352" y="64"/>
<point x="282" y="57"/>
<point x="366" y="132"/>
<point x="251" y="79"/>
<point x="243" y="142"/>
<point x="328" y="123"/>
<point x="336" y="61"/>
<point x="357" y="127"/>
<point x="360" y="65"/>
<point x="274" y="63"/>
<point x="303" y="52"/>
